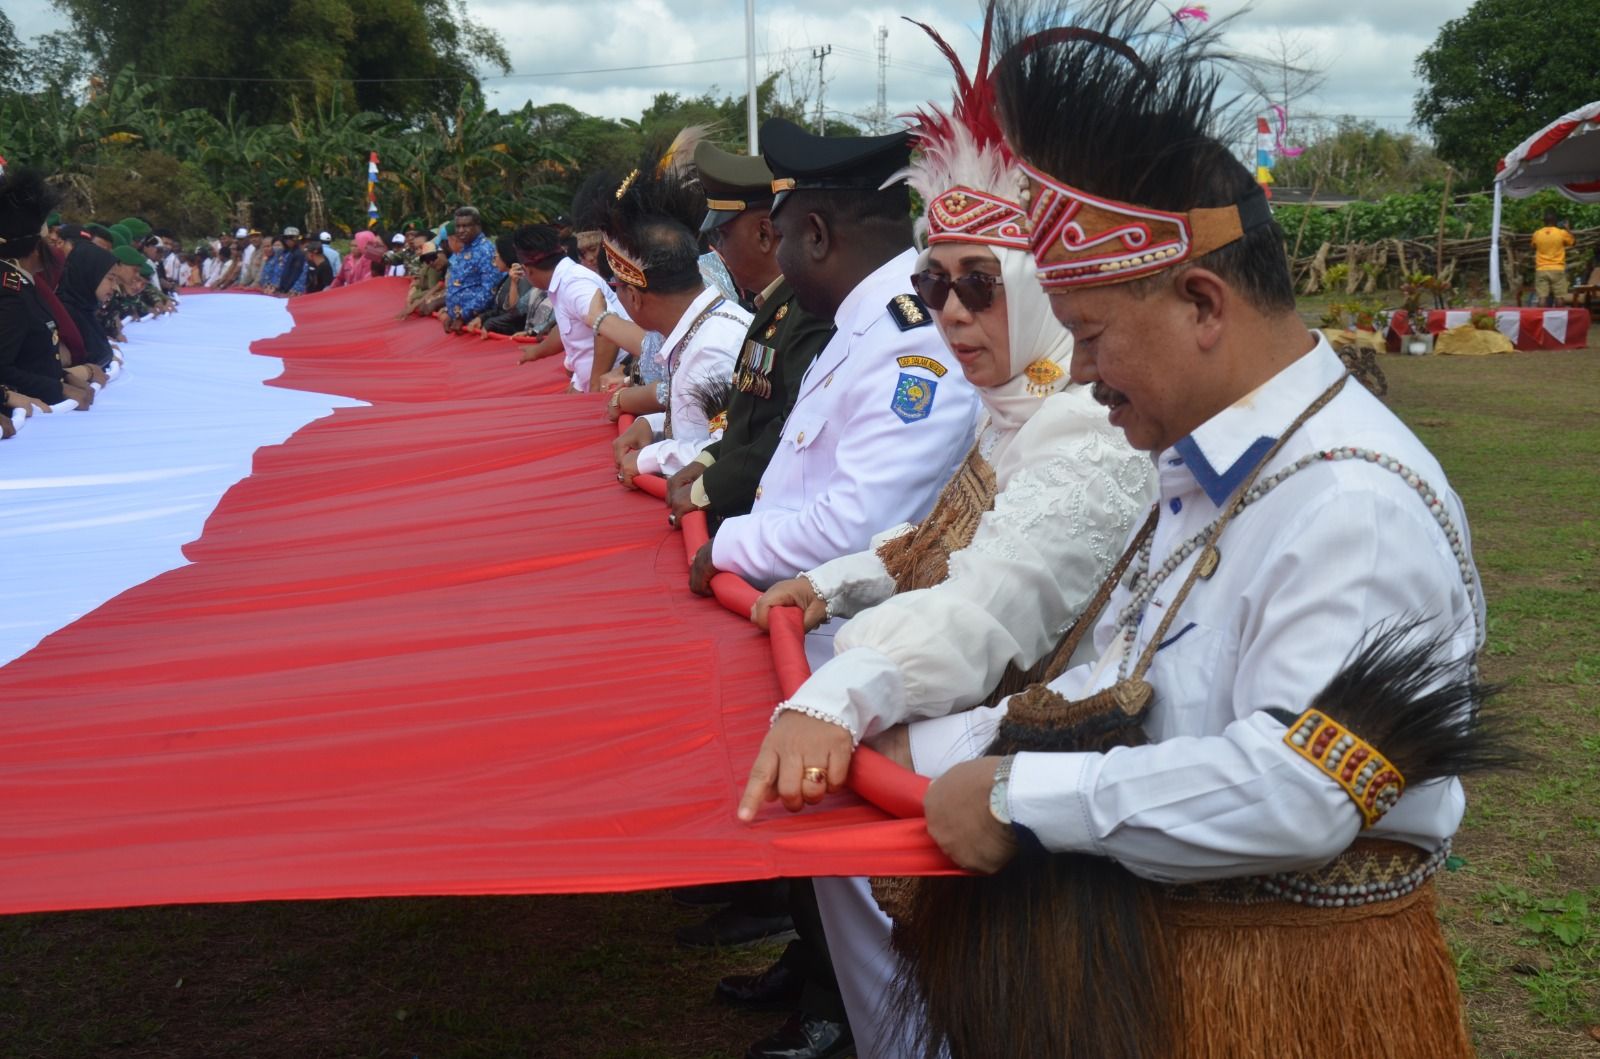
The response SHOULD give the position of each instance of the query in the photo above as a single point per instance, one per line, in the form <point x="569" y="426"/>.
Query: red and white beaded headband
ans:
<point x="624" y="266"/>
<point x="967" y="215"/>
<point x="1082" y="240"/>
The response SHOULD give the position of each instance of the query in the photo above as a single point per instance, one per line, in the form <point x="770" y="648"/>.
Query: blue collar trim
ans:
<point x="1221" y="486"/>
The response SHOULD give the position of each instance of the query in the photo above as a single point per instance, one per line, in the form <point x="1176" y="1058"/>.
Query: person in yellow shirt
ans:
<point x="1550" y="261"/>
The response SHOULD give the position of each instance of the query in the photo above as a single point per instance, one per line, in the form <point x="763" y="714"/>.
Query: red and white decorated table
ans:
<point x="1526" y="328"/>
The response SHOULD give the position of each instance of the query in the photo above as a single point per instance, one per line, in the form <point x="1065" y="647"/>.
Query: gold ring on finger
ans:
<point x="816" y="775"/>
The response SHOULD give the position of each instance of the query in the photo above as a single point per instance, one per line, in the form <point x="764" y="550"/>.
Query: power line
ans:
<point x="464" y="77"/>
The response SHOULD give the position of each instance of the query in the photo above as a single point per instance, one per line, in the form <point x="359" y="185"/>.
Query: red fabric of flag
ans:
<point x="428" y="647"/>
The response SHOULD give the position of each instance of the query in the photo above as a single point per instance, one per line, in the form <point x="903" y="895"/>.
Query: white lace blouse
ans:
<point x="1059" y="521"/>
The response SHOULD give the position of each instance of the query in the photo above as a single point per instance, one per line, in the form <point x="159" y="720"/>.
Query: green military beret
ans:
<point x="147" y="270"/>
<point x="120" y="235"/>
<point x="127" y="255"/>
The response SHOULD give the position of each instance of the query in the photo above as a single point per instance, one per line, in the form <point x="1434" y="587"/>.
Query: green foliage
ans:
<point x="1416" y="216"/>
<point x="311" y="169"/>
<point x="1500" y="72"/>
<point x="11" y="56"/>
<point x="398" y="58"/>
<point x="1566" y="931"/>
<point x="1417" y="286"/>
<point x="1362" y="160"/>
<point x="168" y="193"/>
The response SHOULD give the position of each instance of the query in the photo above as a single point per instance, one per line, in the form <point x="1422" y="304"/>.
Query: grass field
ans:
<point x="597" y="976"/>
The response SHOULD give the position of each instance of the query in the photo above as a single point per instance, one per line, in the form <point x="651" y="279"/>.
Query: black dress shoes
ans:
<point x="708" y="894"/>
<point x="805" y="1037"/>
<point x="778" y="987"/>
<point x="732" y="927"/>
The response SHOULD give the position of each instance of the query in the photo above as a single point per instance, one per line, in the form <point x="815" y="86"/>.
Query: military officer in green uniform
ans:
<point x="782" y="341"/>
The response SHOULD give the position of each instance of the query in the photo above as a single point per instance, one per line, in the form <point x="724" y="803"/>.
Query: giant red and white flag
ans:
<point x="360" y="610"/>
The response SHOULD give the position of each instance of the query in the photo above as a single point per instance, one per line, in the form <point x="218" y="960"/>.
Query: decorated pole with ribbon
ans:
<point x="1264" y="155"/>
<point x="372" y="190"/>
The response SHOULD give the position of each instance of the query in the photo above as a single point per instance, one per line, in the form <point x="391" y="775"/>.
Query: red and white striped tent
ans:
<point x="1564" y="155"/>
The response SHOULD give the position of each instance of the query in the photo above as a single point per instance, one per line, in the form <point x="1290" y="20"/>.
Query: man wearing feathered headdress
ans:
<point x="1218" y="838"/>
<point x="968" y="605"/>
<point x="651" y="243"/>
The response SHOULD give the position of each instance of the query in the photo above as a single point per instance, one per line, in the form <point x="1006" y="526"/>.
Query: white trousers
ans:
<point x="858" y="942"/>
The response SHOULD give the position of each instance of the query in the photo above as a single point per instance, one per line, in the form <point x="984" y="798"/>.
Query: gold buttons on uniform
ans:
<point x="758" y="492"/>
<point x="829" y="380"/>
<point x="800" y="438"/>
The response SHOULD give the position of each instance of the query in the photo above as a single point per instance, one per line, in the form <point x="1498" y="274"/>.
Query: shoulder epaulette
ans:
<point x="908" y="311"/>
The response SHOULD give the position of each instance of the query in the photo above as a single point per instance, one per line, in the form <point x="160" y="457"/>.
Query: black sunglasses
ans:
<point x="975" y="290"/>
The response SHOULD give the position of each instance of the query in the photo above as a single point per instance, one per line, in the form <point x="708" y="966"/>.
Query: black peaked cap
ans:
<point x="811" y="162"/>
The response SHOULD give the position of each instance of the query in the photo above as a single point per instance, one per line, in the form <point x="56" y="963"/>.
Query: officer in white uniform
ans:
<point x="884" y="415"/>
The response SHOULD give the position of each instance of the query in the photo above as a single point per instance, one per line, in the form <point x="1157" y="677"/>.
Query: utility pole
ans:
<point x="751" y="143"/>
<point x="821" y="55"/>
<point x="880" y="117"/>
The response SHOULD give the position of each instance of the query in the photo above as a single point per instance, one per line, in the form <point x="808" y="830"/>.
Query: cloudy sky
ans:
<point x="1367" y="47"/>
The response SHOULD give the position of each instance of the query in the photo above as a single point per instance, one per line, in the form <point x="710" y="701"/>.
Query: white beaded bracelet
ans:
<point x="810" y="711"/>
<point x="827" y="604"/>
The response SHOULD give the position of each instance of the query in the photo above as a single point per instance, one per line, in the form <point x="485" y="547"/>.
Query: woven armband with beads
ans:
<point x="1353" y="763"/>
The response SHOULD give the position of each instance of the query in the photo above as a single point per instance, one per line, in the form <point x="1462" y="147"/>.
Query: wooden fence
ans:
<point x="1382" y="265"/>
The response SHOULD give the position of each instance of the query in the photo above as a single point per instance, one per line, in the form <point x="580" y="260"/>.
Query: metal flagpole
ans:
<point x="1494" y="248"/>
<point x="750" y="75"/>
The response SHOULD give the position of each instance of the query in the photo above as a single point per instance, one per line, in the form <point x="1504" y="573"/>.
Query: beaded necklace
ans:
<point x="1143" y="583"/>
<point x="677" y="350"/>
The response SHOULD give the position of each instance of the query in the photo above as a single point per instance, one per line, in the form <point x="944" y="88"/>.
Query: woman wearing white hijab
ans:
<point x="967" y="606"/>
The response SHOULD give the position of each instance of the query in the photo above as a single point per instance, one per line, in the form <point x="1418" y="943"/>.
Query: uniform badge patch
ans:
<point x="908" y="311"/>
<point x="913" y="398"/>
<point x="10" y="280"/>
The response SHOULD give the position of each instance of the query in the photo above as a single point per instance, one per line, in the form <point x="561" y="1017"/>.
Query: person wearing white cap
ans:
<point x="335" y="259"/>
<point x="394" y="262"/>
<point x="250" y="259"/>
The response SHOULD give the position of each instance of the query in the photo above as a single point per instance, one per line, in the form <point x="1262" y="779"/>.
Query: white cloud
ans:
<point x="1367" y="46"/>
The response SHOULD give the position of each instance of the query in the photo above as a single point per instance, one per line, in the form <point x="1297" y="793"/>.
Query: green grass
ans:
<point x="1520" y="438"/>
<point x="598" y="976"/>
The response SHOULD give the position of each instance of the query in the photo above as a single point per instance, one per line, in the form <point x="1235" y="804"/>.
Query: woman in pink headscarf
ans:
<point x="366" y="252"/>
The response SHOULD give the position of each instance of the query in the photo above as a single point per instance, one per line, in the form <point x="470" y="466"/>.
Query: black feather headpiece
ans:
<point x="1111" y="98"/>
<point x="653" y="217"/>
<point x="25" y="201"/>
